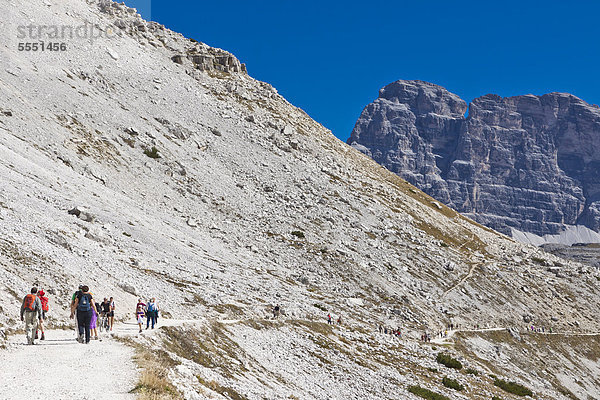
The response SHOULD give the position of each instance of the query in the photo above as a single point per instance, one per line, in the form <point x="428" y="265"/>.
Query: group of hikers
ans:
<point x="330" y="319"/>
<point x="87" y="311"/>
<point x="33" y="312"/>
<point x="389" y="331"/>
<point x="150" y="311"/>
<point x="538" y="329"/>
<point x="84" y="310"/>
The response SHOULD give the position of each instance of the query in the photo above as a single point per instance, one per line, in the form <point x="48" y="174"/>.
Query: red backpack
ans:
<point x="29" y="303"/>
<point x="44" y="301"/>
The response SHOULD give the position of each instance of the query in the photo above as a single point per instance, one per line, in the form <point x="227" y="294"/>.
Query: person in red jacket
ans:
<point x="44" y="301"/>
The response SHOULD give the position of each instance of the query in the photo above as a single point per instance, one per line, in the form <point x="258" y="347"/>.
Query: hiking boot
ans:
<point x="36" y="334"/>
<point x="80" y="339"/>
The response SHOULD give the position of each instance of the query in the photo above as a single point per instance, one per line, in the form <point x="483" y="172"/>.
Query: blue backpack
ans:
<point x="84" y="303"/>
<point x="152" y="308"/>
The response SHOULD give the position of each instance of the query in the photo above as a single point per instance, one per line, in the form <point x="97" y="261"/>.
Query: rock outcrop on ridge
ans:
<point x="530" y="163"/>
<point x="125" y="167"/>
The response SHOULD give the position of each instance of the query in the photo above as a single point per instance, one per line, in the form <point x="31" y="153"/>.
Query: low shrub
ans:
<point x="320" y="307"/>
<point x="472" y="371"/>
<point x="298" y="234"/>
<point x="513" y="387"/>
<point x="426" y="393"/>
<point x="447" y="360"/>
<point x="152" y="153"/>
<point x="452" y="384"/>
<point x="496" y="398"/>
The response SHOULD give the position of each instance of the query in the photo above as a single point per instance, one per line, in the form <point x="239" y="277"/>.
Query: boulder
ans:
<point x="128" y="288"/>
<point x="82" y="214"/>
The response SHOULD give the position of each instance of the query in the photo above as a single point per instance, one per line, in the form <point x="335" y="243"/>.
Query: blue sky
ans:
<point x="331" y="57"/>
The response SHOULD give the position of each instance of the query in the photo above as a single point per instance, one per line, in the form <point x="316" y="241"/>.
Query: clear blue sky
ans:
<point x="331" y="57"/>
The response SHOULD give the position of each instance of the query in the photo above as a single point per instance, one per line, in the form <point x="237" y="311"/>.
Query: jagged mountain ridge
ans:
<point x="207" y="227"/>
<point x="529" y="163"/>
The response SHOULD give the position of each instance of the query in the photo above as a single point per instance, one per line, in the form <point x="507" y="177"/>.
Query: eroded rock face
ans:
<point x="526" y="162"/>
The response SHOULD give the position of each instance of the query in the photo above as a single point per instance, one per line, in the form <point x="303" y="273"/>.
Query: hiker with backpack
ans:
<point x="151" y="313"/>
<point x="30" y="309"/>
<point x="44" y="302"/>
<point x="85" y="306"/>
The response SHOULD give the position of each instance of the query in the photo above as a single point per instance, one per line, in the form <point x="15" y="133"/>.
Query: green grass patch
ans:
<point x="448" y="361"/>
<point x="452" y="384"/>
<point x="426" y="393"/>
<point x="513" y="387"/>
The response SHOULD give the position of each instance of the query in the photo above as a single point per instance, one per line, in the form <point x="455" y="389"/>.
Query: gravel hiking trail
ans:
<point x="61" y="368"/>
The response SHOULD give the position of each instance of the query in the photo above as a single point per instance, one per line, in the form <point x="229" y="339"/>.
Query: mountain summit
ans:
<point x="516" y="164"/>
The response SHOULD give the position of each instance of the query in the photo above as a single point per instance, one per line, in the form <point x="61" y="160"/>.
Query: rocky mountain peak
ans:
<point x="424" y="97"/>
<point x="526" y="162"/>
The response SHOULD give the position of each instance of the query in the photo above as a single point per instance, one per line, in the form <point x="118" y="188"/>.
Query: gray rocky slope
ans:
<point x="526" y="163"/>
<point x="207" y="228"/>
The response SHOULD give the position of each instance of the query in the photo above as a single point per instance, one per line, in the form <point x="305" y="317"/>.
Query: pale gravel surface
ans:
<point x="61" y="368"/>
<point x="104" y="369"/>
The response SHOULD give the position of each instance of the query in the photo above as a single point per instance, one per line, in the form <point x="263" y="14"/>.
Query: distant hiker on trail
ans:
<point x="139" y="315"/>
<point x="329" y="320"/>
<point x="276" y="311"/>
<point x="111" y="313"/>
<point x="85" y="307"/>
<point x="44" y="301"/>
<point x="339" y="320"/>
<point x="30" y="309"/>
<point x="151" y="313"/>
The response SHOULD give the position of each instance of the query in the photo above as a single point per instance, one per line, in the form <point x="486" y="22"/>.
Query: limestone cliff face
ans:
<point x="526" y="162"/>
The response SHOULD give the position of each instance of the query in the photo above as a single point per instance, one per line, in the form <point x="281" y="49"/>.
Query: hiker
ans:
<point x="139" y="315"/>
<point x="329" y="320"/>
<point x="151" y="313"/>
<point x="380" y="328"/>
<point x="140" y="303"/>
<point x="276" y="311"/>
<point x="111" y="314"/>
<point x="30" y="308"/>
<point x="94" y="321"/>
<point x="73" y="298"/>
<point x="44" y="302"/>
<point x="105" y="309"/>
<point x="339" y="320"/>
<point x="85" y="306"/>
